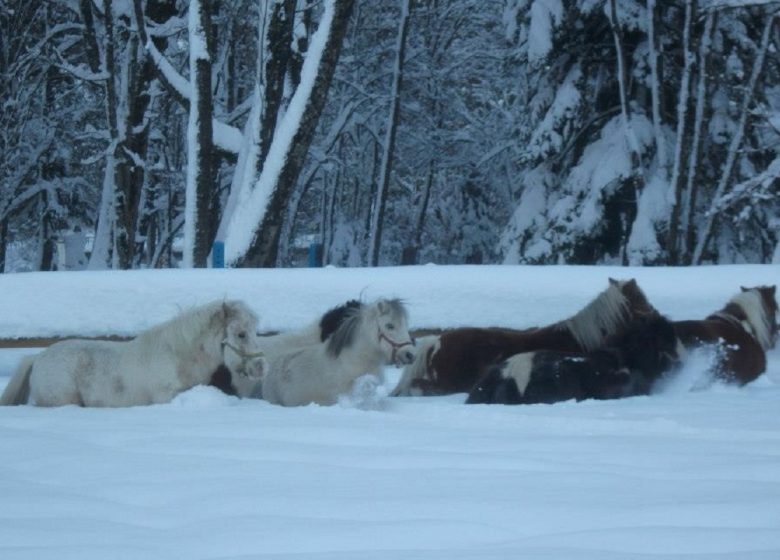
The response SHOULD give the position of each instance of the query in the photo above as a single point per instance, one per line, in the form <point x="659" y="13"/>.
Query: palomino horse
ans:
<point x="368" y="337"/>
<point x="455" y="360"/>
<point x="152" y="368"/>
<point x="744" y="330"/>
<point x="282" y="343"/>
<point x="628" y="366"/>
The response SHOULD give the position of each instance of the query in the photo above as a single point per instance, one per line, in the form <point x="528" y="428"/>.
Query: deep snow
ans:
<point x="679" y="474"/>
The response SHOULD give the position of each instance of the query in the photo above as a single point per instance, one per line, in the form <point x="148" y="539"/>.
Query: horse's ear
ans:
<point x="226" y="309"/>
<point x="613" y="282"/>
<point x="744" y="289"/>
<point x="382" y="307"/>
<point x="633" y="283"/>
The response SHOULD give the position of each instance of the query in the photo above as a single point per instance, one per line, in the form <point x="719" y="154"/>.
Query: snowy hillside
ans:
<point x="679" y="474"/>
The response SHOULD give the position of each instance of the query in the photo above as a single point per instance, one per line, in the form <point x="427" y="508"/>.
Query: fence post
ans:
<point x="315" y="255"/>
<point x="218" y="255"/>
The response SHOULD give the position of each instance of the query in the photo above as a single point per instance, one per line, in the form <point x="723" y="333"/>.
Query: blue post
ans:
<point x="315" y="255"/>
<point x="218" y="255"/>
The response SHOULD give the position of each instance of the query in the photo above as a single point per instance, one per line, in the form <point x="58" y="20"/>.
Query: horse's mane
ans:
<point x="752" y="304"/>
<point x="333" y="318"/>
<point x="352" y="316"/>
<point x="600" y="318"/>
<point x="191" y="324"/>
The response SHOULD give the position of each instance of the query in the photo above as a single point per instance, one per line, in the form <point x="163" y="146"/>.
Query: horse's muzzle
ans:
<point x="255" y="368"/>
<point x="405" y="356"/>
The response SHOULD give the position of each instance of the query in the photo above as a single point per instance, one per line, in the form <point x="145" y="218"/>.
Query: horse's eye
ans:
<point x="390" y="326"/>
<point x="241" y="335"/>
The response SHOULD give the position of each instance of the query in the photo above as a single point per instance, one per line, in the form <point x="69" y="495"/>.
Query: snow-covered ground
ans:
<point x="679" y="474"/>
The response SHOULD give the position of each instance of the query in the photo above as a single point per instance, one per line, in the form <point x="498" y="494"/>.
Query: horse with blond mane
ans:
<point x="152" y="368"/>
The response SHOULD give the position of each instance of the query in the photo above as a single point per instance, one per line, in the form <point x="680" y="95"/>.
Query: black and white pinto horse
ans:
<point x="152" y="368"/>
<point x="628" y="365"/>
<point x="367" y="337"/>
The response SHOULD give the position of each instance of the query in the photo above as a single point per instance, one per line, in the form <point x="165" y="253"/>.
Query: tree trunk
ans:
<point x="655" y="89"/>
<point x="378" y="210"/>
<point x="91" y="50"/>
<point x="412" y="252"/>
<point x="736" y="141"/>
<point x="277" y="54"/>
<point x="635" y="184"/>
<point x="104" y="228"/>
<point x="274" y="36"/>
<point x="131" y="154"/>
<point x="336" y="129"/>
<point x="625" y="110"/>
<point x="201" y="172"/>
<point x="134" y="138"/>
<point x="253" y="233"/>
<point x="690" y="193"/>
<point x="3" y="244"/>
<point x="45" y="233"/>
<point x="683" y="101"/>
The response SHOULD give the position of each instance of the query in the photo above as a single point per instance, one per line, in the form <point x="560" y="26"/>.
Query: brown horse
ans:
<point x="743" y="331"/>
<point x="455" y="360"/>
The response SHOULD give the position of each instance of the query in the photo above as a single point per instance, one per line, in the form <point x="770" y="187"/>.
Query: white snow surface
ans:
<point x="680" y="474"/>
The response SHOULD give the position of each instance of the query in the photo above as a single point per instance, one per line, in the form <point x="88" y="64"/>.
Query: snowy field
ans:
<point x="680" y="474"/>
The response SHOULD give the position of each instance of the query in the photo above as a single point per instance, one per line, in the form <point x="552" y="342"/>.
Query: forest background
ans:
<point x="136" y="133"/>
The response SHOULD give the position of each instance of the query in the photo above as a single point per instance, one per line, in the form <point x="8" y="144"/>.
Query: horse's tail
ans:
<point x="418" y="369"/>
<point x="18" y="389"/>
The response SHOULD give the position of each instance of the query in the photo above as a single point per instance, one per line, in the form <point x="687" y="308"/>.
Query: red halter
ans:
<point x="396" y="346"/>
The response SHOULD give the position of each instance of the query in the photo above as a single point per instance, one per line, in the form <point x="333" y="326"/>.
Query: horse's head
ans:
<point x="393" y="331"/>
<point x="636" y="299"/>
<point x="767" y="295"/>
<point x="240" y="344"/>
<point x="609" y="314"/>
<point x="382" y="324"/>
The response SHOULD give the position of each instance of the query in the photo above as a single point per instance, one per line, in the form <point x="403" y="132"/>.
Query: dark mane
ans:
<point x="333" y="318"/>
<point x="351" y="317"/>
<point x="344" y="335"/>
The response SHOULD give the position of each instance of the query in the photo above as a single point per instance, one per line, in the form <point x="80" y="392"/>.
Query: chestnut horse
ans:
<point x="743" y="331"/>
<point x="628" y="366"/>
<point x="455" y="360"/>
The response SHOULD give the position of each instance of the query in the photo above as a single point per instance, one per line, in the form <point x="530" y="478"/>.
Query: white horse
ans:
<point x="368" y="337"/>
<point x="277" y="345"/>
<point x="152" y="368"/>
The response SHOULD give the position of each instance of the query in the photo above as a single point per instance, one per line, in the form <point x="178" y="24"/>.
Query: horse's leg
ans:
<point x="742" y="363"/>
